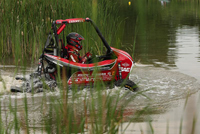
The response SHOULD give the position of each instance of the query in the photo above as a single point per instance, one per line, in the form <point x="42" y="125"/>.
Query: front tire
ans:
<point x="128" y="84"/>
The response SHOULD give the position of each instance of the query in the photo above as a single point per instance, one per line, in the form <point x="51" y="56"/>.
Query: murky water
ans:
<point x="168" y="38"/>
<point x="159" y="87"/>
<point x="167" y="50"/>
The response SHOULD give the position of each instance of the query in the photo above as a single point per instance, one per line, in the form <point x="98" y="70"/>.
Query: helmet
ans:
<point x="74" y="39"/>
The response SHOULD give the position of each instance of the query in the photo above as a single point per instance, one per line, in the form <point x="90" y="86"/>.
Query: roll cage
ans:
<point x="63" y="23"/>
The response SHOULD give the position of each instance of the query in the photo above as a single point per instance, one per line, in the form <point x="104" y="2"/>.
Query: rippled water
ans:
<point x="159" y="87"/>
<point x="164" y="85"/>
<point x="153" y="81"/>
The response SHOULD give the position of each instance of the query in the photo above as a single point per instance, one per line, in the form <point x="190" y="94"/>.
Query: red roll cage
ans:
<point x="77" y="20"/>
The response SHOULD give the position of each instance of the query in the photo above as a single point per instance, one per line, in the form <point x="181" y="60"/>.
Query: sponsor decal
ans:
<point x="125" y="69"/>
<point x="85" y="78"/>
<point x="125" y="64"/>
<point x="75" y="21"/>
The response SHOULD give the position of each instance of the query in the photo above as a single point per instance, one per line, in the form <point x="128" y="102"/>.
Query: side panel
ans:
<point x="64" y="62"/>
<point x="125" y="64"/>
<point x="90" y="77"/>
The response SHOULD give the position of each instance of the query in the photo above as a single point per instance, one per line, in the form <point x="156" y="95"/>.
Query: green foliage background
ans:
<point x="24" y="24"/>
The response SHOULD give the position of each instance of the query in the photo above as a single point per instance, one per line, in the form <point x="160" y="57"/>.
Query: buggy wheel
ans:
<point x="16" y="89"/>
<point x="128" y="84"/>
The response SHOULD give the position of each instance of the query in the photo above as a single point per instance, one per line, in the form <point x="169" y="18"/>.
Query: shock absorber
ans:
<point x="120" y="71"/>
<point x="40" y="67"/>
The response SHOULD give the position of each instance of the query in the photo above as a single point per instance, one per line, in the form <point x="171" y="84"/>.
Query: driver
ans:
<point x="73" y="47"/>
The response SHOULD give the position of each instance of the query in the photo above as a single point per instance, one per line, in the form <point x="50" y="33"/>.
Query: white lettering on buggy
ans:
<point x="124" y="69"/>
<point x="107" y="76"/>
<point x="125" y="64"/>
<point x="74" y="21"/>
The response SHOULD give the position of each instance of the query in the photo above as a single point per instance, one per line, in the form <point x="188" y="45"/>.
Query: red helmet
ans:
<point x="74" y="39"/>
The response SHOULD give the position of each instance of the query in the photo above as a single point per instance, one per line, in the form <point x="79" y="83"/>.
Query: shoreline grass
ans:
<point x="98" y="111"/>
<point x="101" y="112"/>
<point x="24" y="34"/>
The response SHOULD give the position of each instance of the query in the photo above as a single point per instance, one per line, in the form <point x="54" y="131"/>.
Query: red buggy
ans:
<point x="112" y="67"/>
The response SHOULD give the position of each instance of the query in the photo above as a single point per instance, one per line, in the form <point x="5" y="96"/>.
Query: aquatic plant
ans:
<point x="23" y="34"/>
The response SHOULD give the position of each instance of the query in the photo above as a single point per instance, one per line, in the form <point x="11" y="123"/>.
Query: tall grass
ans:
<point x="74" y="112"/>
<point x="29" y="22"/>
<point x="92" y="112"/>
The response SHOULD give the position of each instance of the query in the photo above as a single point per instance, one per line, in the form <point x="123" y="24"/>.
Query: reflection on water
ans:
<point x="163" y="34"/>
<point x="187" y="43"/>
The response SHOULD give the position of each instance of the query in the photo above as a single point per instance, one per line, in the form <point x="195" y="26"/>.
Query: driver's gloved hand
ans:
<point x="87" y="56"/>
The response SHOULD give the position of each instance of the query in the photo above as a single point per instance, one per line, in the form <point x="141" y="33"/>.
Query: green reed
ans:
<point x="72" y="111"/>
<point x="100" y="113"/>
<point x="2" y="129"/>
<point x="29" y="22"/>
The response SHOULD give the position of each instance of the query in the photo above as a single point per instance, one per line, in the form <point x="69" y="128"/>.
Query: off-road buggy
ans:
<point x="112" y="68"/>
